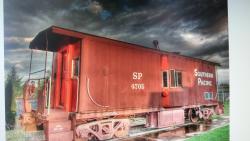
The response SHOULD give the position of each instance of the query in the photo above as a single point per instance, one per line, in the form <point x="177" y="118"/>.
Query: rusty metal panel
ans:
<point x="118" y="76"/>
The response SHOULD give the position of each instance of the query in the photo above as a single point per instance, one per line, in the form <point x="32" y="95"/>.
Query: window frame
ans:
<point x="167" y="71"/>
<point x="73" y="67"/>
<point x="210" y="95"/>
<point x="176" y="85"/>
<point x="177" y="80"/>
<point x="171" y="86"/>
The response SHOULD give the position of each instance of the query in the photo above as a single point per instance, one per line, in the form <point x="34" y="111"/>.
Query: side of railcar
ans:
<point x="119" y="79"/>
<point x="118" y="76"/>
<point x="190" y="82"/>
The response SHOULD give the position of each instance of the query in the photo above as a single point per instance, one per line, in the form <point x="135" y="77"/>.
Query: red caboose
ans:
<point x="97" y="83"/>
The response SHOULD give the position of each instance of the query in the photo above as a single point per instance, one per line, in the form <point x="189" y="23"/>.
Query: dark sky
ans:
<point x="197" y="28"/>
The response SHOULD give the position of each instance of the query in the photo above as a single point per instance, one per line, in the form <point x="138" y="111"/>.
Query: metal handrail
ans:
<point x="37" y="71"/>
<point x="37" y="78"/>
<point x="49" y="95"/>
<point x="47" y="86"/>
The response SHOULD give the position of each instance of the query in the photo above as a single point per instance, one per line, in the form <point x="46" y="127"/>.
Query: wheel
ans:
<point x="207" y="114"/>
<point x="193" y="115"/>
<point x="121" y="132"/>
<point x="92" y="137"/>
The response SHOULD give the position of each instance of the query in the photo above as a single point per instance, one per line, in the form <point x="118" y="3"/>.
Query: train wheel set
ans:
<point x="119" y="128"/>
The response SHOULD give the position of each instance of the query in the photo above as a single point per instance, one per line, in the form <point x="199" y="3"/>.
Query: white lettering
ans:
<point x="200" y="75"/>
<point x="204" y="82"/>
<point x="203" y="74"/>
<point x="195" y="72"/>
<point x="134" y="75"/>
<point x="137" y="86"/>
<point x="137" y="75"/>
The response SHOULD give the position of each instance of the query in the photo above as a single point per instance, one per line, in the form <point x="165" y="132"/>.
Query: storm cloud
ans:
<point x="197" y="28"/>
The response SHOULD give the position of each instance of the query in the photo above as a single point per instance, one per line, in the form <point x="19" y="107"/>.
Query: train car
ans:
<point x="97" y="84"/>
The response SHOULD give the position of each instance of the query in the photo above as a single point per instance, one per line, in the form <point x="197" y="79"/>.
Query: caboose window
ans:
<point x="75" y="67"/>
<point x="172" y="74"/>
<point x="176" y="78"/>
<point x="165" y="79"/>
<point x="179" y="78"/>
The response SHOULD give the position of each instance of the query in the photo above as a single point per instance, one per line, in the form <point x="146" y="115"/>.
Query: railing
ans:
<point x="44" y="97"/>
<point x="48" y="95"/>
<point x="43" y="92"/>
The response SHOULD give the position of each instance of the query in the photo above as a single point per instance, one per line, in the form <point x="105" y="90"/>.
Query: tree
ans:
<point x="13" y="88"/>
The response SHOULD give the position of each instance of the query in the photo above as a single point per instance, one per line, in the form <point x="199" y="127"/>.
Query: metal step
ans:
<point x="58" y="130"/>
<point x="57" y="126"/>
<point x="60" y="136"/>
<point x="57" y="115"/>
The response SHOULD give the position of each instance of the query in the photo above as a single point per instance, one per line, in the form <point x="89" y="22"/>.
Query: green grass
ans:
<point x="219" y="134"/>
<point x="226" y="108"/>
<point x="21" y="135"/>
<point x="15" y="135"/>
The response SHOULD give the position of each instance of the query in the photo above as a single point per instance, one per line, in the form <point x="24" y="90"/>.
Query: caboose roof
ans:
<point x="53" y="37"/>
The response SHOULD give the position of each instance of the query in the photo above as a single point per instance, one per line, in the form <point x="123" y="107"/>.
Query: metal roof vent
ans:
<point x="156" y="44"/>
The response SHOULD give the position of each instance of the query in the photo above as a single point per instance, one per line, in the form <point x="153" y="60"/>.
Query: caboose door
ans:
<point x="67" y="78"/>
<point x="75" y="73"/>
<point x="64" y="86"/>
<point x="64" y="79"/>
